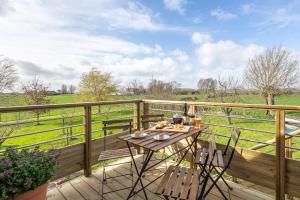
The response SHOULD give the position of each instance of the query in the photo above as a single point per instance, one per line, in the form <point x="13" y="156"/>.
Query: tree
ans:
<point x="228" y="92"/>
<point x="8" y="75"/>
<point x="271" y="72"/>
<point x="162" y="90"/>
<point x="36" y="94"/>
<point x="64" y="89"/>
<point x="135" y="87"/>
<point x="72" y="89"/>
<point x="208" y="87"/>
<point x="96" y="85"/>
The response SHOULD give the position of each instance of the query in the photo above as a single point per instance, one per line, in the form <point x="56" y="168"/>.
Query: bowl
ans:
<point x="177" y="120"/>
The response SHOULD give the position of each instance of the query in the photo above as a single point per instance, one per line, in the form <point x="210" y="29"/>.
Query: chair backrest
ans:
<point x="114" y="124"/>
<point x="152" y="118"/>
<point x="234" y="138"/>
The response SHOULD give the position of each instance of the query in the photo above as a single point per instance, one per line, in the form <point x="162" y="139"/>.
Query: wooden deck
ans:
<point x="83" y="188"/>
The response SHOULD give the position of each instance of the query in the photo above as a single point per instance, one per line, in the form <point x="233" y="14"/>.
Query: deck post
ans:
<point x="280" y="155"/>
<point x="88" y="141"/>
<point x="137" y="115"/>
<point x="146" y="107"/>
<point x="137" y="120"/>
<point x="193" y="110"/>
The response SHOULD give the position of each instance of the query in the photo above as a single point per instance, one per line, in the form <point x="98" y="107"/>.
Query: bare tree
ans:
<point x="64" y="89"/>
<point x="208" y="87"/>
<point x="72" y="89"/>
<point x="271" y="72"/>
<point x="135" y="87"/>
<point x="162" y="90"/>
<point x="8" y="75"/>
<point x="36" y="94"/>
<point x="228" y="92"/>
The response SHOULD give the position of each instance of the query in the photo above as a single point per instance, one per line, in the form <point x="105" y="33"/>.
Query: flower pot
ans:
<point x="38" y="193"/>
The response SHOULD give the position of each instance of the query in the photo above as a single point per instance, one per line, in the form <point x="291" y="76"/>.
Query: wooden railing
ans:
<point x="271" y="166"/>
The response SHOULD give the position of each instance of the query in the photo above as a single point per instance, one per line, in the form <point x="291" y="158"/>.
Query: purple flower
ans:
<point x="28" y="182"/>
<point x="4" y="164"/>
<point x="2" y="175"/>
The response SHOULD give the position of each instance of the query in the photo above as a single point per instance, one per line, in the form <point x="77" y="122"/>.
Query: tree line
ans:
<point x="269" y="73"/>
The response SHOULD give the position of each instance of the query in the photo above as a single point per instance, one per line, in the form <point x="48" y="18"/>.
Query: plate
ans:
<point x="165" y="137"/>
<point x="140" y="136"/>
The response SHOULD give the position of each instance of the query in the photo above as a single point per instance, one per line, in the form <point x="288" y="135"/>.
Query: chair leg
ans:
<point x="229" y="187"/>
<point x="103" y="180"/>
<point x="214" y="183"/>
<point x="131" y="173"/>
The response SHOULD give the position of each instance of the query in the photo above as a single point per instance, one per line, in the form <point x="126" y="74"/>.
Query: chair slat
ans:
<point x="115" y="121"/>
<point x="172" y="181"/>
<point x="194" y="187"/>
<point x="161" y="187"/>
<point x="186" y="187"/>
<point x="124" y="126"/>
<point x="179" y="182"/>
<point x="220" y="159"/>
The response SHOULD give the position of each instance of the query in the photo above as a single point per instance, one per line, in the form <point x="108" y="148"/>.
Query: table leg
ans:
<point x="139" y="179"/>
<point x="189" y="148"/>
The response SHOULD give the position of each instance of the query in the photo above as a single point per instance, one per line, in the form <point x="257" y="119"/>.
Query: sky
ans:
<point x="180" y="40"/>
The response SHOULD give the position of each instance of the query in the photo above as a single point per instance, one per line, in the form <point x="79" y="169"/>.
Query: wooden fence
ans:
<point x="273" y="170"/>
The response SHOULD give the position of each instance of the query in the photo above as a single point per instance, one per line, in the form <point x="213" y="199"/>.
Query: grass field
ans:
<point x="126" y="111"/>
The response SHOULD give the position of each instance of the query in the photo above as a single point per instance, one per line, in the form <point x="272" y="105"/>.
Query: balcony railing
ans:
<point x="269" y="145"/>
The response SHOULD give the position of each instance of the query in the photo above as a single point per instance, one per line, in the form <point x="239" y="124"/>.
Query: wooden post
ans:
<point x="280" y="155"/>
<point x="137" y="120"/>
<point x="88" y="141"/>
<point x="289" y="154"/>
<point x="193" y="110"/>
<point x="137" y="114"/>
<point x="146" y="108"/>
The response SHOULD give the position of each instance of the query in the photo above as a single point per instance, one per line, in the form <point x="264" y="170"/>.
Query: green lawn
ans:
<point x="117" y="111"/>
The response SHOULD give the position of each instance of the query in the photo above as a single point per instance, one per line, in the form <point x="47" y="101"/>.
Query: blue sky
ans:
<point x="181" y="40"/>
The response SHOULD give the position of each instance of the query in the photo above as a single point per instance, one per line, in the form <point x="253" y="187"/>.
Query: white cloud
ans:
<point x="198" y="38"/>
<point x="180" y="55"/>
<point x="176" y="5"/>
<point x="225" y="57"/>
<point x="248" y="8"/>
<point x="55" y="43"/>
<point x="221" y="14"/>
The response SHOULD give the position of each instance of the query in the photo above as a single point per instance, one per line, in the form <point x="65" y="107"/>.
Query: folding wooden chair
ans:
<point x="106" y="155"/>
<point x="221" y="161"/>
<point x="184" y="183"/>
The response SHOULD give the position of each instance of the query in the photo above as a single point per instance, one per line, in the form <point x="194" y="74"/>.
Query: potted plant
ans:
<point x="25" y="174"/>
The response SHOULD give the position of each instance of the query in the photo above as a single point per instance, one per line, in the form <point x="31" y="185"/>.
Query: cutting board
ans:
<point x="185" y="129"/>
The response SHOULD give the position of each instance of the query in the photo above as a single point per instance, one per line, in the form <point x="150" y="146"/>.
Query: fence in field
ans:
<point x="269" y="145"/>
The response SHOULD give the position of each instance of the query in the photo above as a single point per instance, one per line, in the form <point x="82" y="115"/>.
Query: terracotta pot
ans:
<point x="38" y="193"/>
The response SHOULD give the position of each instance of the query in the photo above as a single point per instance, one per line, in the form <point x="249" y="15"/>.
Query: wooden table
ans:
<point x="153" y="146"/>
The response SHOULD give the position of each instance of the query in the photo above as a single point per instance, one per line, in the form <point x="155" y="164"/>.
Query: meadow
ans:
<point x="68" y="122"/>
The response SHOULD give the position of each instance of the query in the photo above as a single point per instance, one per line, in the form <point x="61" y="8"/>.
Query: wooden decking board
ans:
<point x="89" y="188"/>
<point x="84" y="189"/>
<point x="54" y="194"/>
<point x="69" y="192"/>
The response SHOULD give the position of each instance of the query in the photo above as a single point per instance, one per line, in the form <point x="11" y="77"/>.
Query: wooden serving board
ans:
<point x="185" y="129"/>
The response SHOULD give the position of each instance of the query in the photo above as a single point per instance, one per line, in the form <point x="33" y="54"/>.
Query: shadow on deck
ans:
<point x="83" y="188"/>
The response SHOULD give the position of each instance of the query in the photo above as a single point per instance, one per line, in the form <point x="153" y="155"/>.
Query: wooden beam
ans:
<point x="137" y="114"/>
<point x="146" y="107"/>
<point x="280" y="155"/>
<point x="273" y="141"/>
<point x="227" y="105"/>
<point x="88" y="140"/>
